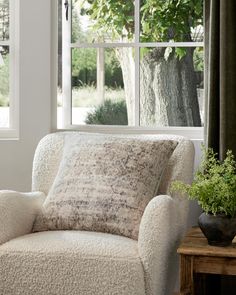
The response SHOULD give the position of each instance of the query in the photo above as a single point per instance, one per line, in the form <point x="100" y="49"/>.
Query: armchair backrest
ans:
<point x="49" y="153"/>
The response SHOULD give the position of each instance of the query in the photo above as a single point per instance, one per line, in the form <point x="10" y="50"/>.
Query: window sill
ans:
<point x="193" y="133"/>
<point x="9" y="134"/>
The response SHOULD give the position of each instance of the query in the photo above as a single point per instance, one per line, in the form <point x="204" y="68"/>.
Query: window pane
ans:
<point x="98" y="95"/>
<point x="198" y="60"/>
<point x="84" y="81"/>
<point x="4" y="20"/>
<point x="171" y="87"/>
<point x="165" y="21"/>
<point x="99" y="21"/>
<point x="4" y="86"/>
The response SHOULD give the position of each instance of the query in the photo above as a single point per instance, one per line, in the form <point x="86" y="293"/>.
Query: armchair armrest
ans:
<point x="159" y="235"/>
<point x="17" y="213"/>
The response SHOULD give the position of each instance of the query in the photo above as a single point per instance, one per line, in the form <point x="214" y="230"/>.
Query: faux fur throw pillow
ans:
<point x="104" y="184"/>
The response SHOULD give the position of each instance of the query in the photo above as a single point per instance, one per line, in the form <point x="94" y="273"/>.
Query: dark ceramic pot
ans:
<point x="218" y="229"/>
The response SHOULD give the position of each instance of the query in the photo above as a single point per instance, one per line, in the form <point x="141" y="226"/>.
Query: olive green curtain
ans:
<point x="220" y="75"/>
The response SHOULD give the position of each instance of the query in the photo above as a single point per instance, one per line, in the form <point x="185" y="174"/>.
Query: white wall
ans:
<point x="16" y="156"/>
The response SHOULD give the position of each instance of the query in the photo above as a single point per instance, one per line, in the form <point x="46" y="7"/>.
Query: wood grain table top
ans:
<point x="195" y="243"/>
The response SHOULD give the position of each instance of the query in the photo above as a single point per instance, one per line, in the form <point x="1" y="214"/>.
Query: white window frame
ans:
<point x="12" y="132"/>
<point x="190" y="132"/>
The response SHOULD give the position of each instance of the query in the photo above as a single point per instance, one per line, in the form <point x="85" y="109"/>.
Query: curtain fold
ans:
<point x="220" y="75"/>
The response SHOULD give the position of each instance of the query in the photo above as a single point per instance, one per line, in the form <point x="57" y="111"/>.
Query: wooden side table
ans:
<point x="197" y="257"/>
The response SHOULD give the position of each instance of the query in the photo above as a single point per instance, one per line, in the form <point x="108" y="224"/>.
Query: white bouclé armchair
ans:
<point x="81" y="262"/>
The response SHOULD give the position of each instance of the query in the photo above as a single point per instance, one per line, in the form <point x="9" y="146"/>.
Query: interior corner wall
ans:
<point x="34" y="93"/>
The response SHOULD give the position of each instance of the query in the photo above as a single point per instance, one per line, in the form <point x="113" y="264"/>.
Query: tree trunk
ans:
<point x="168" y="89"/>
<point x="125" y="57"/>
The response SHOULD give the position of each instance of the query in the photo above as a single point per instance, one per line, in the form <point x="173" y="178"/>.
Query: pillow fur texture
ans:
<point x="104" y="184"/>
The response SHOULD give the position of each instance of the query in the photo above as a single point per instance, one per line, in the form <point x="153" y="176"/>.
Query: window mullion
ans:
<point x="5" y="43"/>
<point x="137" y="63"/>
<point x="141" y="45"/>
<point x="14" y="67"/>
<point x="66" y="68"/>
<point x="11" y="67"/>
<point x="101" y="74"/>
<point x="12" y="130"/>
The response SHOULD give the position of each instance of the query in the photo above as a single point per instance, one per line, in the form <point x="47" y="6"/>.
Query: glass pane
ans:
<point x="84" y="81"/>
<point x="100" y="21"/>
<point x="4" y="86"/>
<point x="4" y="20"/>
<point x="166" y="21"/>
<point x="198" y="61"/>
<point x="98" y="90"/>
<point x="171" y="87"/>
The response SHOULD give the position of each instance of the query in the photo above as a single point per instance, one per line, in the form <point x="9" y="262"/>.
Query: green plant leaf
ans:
<point x="214" y="185"/>
<point x="180" y="52"/>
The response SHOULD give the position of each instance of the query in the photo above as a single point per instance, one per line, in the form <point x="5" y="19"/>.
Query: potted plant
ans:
<point x="214" y="187"/>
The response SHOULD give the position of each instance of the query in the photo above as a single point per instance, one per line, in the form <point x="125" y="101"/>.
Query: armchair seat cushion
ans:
<point x="71" y="262"/>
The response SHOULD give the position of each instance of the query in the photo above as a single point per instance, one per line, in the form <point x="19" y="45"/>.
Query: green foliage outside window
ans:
<point x="169" y="20"/>
<point x="112" y="16"/>
<point x="109" y="113"/>
<point x="198" y="59"/>
<point x="84" y="68"/>
<point x="160" y="21"/>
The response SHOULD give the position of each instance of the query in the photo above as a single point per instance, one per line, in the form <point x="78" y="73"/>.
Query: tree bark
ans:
<point x="125" y="57"/>
<point x="168" y="90"/>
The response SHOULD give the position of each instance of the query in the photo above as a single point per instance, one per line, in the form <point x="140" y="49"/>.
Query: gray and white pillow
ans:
<point x="104" y="184"/>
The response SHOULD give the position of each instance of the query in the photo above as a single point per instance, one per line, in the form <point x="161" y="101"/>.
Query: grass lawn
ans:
<point x="87" y="96"/>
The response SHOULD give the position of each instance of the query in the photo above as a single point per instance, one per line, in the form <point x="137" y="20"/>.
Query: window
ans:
<point x="8" y="104"/>
<point x="135" y="63"/>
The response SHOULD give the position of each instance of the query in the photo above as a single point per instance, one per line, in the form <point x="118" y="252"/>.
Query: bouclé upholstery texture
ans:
<point x="91" y="263"/>
<point x="104" y="184"/>
<point x="18" y="212"/>
<point x="71" y="263"/>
